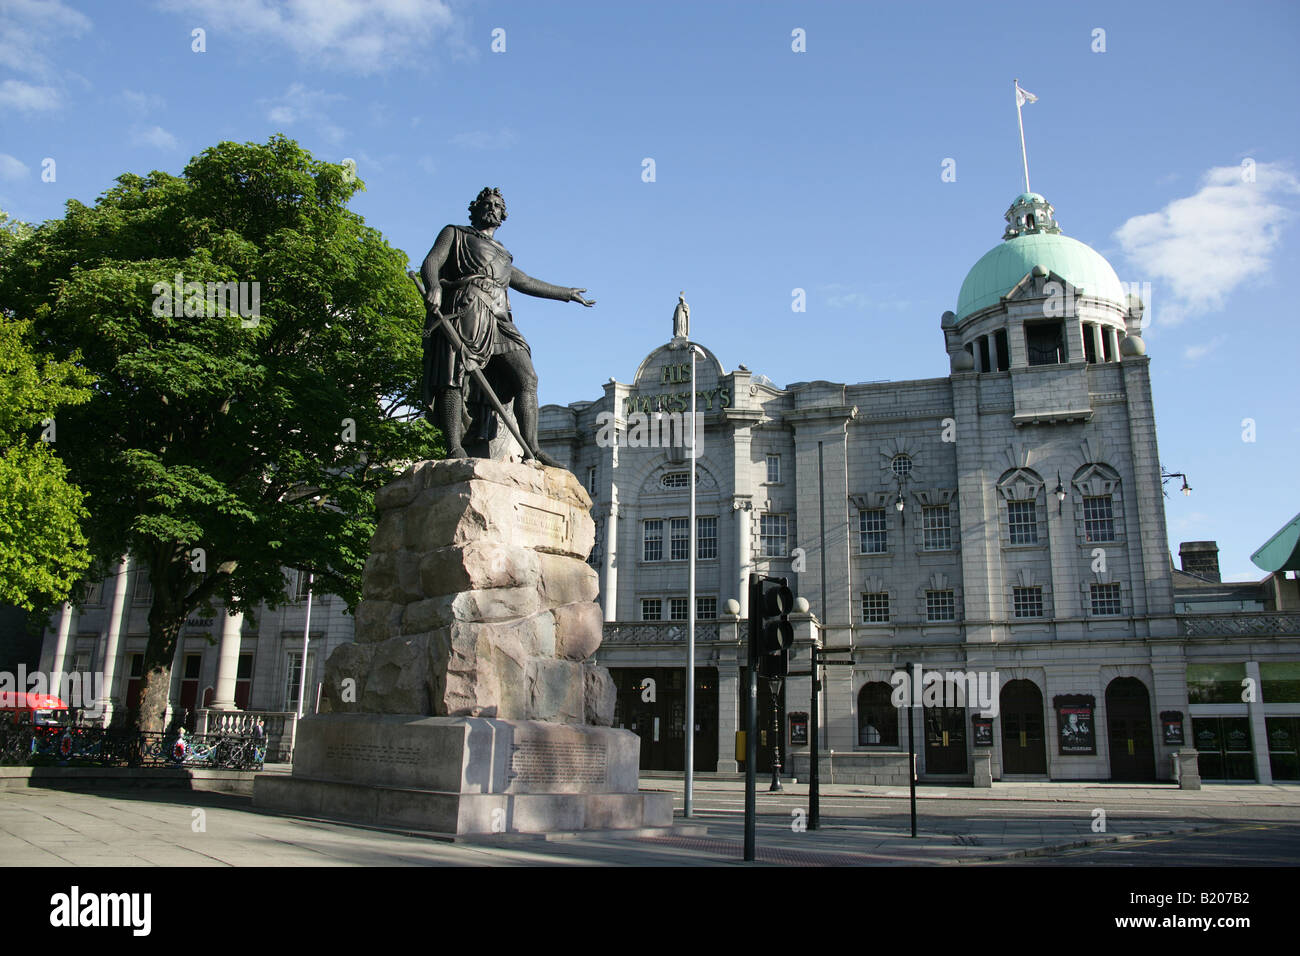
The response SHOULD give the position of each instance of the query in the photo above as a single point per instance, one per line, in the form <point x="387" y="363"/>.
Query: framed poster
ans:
<point x="983" y="731"/>
<point x="1171" y="722"/>
<point x="1075" y="729"/>
<point x="798" y="729"/>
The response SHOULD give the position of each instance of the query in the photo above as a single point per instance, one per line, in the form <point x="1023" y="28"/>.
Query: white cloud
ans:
<point x="154" y="136"/>
<point x="143" y="103"/>
<point x="1193" y="353"/>
<point x="298" y="106"/>
<point x="1203" y="246"/>
<point x="359" y="36"/>
<point x="485" y="139"/>
<point x="28" y="28"/>
<point x="15" y="94"/>
<point x="840" y="296"/>
<point x="12" y="168"/>
<point x="426" y="164"/>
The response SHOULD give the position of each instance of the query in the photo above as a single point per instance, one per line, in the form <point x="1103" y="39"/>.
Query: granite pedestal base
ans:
<point x="465" y="775"/>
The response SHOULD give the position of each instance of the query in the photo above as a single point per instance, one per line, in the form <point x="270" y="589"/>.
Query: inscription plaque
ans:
<point x="371" y="755"/>
<point x="548" y="524"/>
<point x="540" y="762"/>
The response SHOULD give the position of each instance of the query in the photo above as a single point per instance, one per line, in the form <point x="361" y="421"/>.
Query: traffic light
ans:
<point x="771" y="633"/>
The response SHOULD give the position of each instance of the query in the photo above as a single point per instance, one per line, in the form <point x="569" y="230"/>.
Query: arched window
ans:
<point x="877" y="716"/>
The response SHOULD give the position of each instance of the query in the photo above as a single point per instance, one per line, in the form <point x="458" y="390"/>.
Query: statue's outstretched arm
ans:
<point x="522" y="282"/>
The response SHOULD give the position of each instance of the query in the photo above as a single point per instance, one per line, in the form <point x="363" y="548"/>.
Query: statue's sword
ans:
<point x="454" y="337"/>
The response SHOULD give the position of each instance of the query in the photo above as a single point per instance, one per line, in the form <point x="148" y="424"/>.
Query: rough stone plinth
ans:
<point x="477" y="600"/>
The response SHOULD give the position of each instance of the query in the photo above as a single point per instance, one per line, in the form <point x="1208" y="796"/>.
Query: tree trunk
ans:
<point x="164" y="632"/>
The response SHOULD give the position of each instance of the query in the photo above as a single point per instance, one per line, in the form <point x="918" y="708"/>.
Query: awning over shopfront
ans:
<point x="1282" y="551"/>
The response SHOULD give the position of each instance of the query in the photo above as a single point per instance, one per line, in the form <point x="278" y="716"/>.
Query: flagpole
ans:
<point x="1021" y="120"/>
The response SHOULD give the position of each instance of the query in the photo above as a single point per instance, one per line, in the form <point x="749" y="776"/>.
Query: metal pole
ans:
<point x="306" y="641"/>
<point x="690" y="623"/>
<point x="814" y="772"/>
<point x="911" y="742"/>
<point x="1023" y="155"/>
<point x="751" y="724"/>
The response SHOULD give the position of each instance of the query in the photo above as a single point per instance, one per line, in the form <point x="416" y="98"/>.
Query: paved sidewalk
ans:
<point x="1220" y="795"/>
<point x="40" y="827"/>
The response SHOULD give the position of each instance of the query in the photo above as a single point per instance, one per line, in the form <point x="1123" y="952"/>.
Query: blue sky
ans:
<point x="774" y="170"/>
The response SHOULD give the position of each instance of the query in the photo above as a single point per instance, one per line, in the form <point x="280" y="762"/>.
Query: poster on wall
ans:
<point x="1172" y="723"/>
<point x="983" y="731"/>
<point x="798" y="730"/>
<point x="1074" y="724"/>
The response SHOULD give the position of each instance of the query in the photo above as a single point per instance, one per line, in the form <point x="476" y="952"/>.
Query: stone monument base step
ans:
<point x="443" y="812"/>
<point x="461" y="775"/>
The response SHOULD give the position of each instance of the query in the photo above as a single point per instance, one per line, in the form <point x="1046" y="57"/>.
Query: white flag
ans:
<point x="1024" y="96"/>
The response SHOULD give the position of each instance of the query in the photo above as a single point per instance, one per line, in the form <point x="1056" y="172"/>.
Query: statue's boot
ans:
<point x="448" y="420"/>
<point x="526" y="416"/>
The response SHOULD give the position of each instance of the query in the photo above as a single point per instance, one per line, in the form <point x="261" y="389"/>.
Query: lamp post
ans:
<point x="1167" y="476"/>
<point x="774" y="685"/>
<point x="1060" y="493"/>
<point x="306" y="642"/>
<point x="688" y="800"/>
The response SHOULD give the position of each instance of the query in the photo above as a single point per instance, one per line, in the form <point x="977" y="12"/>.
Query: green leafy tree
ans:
<point x="42" y="548"/>
<point x="232" y="435"/>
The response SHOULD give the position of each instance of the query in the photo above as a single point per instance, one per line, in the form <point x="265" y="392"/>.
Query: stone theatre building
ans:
<point x="1007" y="516"/>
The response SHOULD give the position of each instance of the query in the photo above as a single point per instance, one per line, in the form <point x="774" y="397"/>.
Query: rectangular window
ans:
<point x="653" y="543"/>
<point x="1215" y="683"/>
<point x="773" y="534"/>
<point x="678" y="609"/>
<point x="773" y="469"/>
<point x="1027" y="602"/>
<point x="1022" y="519"/>
<point x="143" y="592"/>
<point x="680" y="543"/>
<point x="706" y="538"/>
<point x="875" y="608"/>
<point x="1105" y="599"/>
<point x="302" y="583"/>
<point x="706" y="609"/>
<point x="940" y="606"/>
<point x="591" y="480"/>
<point x="1098" y="518"/>
<point x="651" y="609"/>
<point x="95" y="593"/>
<point x="872" y="538"/>
<point x="1280" y="682"/>
<point x="294" y="676"/>
<point x="935" y="529"/>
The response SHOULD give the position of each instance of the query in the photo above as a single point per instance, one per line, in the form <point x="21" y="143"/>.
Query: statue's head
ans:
<point x="488" y="208"/>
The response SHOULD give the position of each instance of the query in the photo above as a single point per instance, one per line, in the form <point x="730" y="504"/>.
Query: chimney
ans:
<point x="1200" y="558"/>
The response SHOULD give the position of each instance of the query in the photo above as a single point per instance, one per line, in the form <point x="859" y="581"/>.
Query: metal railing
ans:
<point x="1239" y="624"/>
<point x="72" y="746"/>
<point x="279" y="726"/>
<point x="657" y="632"/>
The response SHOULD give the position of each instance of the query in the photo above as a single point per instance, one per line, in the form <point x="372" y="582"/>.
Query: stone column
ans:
<point x="743" y="557"/>
<point x="112" y="636"/>
<point x="1258" y="726"/>
<point x="1096" y="342"/>
<point x="729" y="691"/>
<point x="609" y="572"/>
<point x="232" y="626"/>
<point x="991" y="340"/>
<point x="67" y="618"/>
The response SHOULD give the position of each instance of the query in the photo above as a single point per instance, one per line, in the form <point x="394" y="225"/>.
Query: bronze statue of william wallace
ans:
<point x="466" y="276"/>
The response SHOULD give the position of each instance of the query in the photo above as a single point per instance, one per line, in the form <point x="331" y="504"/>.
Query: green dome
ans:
<point x="1006" y="264"/>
